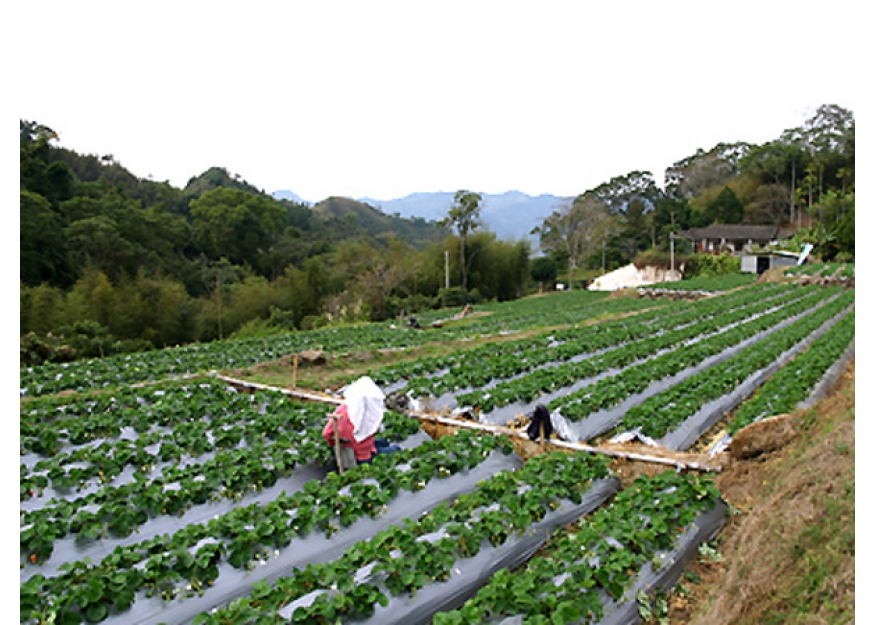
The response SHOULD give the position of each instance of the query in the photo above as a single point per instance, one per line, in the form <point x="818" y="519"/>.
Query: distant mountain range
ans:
<point x="510" y="215"/>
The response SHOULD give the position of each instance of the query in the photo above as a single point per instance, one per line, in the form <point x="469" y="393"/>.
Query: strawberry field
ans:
<point x="153" y="491"/>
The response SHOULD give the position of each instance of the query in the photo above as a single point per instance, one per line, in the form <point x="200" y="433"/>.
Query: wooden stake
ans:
<point x="295" y="373"/>
<point x="337" y="444"/>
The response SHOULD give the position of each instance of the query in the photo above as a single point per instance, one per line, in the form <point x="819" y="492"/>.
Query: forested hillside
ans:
<point x="110" y="262"/>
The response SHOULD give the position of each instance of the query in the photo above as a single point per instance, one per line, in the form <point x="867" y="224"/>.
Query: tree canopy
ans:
<point x="118" y="262"/>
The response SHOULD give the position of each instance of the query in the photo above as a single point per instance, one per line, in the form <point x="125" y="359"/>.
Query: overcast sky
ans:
<point x="382" y="99"/>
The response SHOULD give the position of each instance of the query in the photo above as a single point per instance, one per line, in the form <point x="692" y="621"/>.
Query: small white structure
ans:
<point x="631" y="277"/>
<point x="760" y="263"/>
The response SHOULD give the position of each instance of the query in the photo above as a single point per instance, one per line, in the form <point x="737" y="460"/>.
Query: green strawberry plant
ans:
<point x="664" y="412"/>
<point x="795" y="381"/>
<point x="403" y="559"/>
<point x="601" y="554"/>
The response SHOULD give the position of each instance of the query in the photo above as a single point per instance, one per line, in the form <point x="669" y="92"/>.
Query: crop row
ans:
<point x="600" y="557"/>
<point x="577" y="404"/>
<point x="402" y="560"/>
<point x="822" y="270"/>
<point x="794" y="382"/>
<point x="51" y="423"/>
<point x="652" y="366"/>
<point x="226" y="355"/>
<point x="191" y="418"/>
<point x="168" y="566"/>
<point x="555" y="341"/>
<point x="660" y="414"/>
<point x="118" y="509"/>
<point x="478" y="367"/>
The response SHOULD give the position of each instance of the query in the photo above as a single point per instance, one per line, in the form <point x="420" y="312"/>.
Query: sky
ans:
<point x="382" y="99"/>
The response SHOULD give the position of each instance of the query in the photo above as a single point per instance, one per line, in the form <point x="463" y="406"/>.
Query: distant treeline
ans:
<point x="111" y="262"/>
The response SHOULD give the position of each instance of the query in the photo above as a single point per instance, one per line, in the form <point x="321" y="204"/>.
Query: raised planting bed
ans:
<point x="598" y="570"/>
<point x="194" y="567"/>
<point x="410" y="571"/>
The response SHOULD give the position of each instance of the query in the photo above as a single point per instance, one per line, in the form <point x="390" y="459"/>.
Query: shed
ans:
<point x="760" y="263"/>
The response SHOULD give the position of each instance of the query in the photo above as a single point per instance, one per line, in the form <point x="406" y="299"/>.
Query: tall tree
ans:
<point x="464" y="215"/>
<point x="630" y="199"/>
<point x="43" y="254"/>
<point x="776" y="163"/>
<point x="688" y="177"/>
<point x="620" y="191"/>
<point x="543" y="271"/>
<point x="576" y="229"/>
<point x="220" y="274"/>
<point x="726" y="208"/>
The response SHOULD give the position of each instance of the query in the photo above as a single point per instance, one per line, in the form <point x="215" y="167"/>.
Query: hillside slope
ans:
<point x="788" y="555"/>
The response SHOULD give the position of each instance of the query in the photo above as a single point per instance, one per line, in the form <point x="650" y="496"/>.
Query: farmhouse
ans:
<point x="735" y="238"/>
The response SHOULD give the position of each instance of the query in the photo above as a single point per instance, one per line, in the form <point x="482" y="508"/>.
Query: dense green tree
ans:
<point x="630" y="201"/>
<point x="219" y="274"/>
<point x="464" y="216"/>
<point x="577" y="229"/>
<point x="543" y="271"/>
<point x="304" y="292"/>
<point x="40" y="308"/>
<point x="251" y="298"/>
<point x="38" y="173"/>
<point x="155" y="309"/>
<point x="92" y="299"/>
<point x="43" y="251"/>
<point x="672" y="214"/>
<point x="497" y="270"/>
<point x="235" y="224"/>
<point x="725" y="209"/>
<point x="621" y="191"/>
<point x="690" y="176"/>
<point x="777" y="164"/>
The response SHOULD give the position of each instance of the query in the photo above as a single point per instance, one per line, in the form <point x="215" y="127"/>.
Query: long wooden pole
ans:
<point x="337" y="454"/>
<point x="628" y="455"/>
<point x="497" y="429"/>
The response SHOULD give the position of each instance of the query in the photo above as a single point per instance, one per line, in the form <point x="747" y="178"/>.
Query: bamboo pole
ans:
<point x="337" y="454"/>
<point x="499" y="429"/>
<point x="627" y="455"/>
<point x="310" y="395"/>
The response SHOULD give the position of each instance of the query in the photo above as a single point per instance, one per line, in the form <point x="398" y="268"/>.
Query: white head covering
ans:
<point x="364" y="401"/>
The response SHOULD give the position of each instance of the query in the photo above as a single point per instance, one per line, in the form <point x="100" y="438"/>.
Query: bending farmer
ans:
<point x="358" y="419"/>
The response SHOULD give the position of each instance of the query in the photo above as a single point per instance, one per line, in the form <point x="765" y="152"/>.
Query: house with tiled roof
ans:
<point x="734" y="238"/>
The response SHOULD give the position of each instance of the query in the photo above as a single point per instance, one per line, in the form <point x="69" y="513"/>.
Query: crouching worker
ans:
<point x="351" y="428"/>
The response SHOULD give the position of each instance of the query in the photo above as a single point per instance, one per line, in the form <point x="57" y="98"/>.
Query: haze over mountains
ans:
<point x="510" y="215"/>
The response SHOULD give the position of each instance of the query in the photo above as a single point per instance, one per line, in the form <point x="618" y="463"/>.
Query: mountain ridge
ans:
<point x="510" y="215"/>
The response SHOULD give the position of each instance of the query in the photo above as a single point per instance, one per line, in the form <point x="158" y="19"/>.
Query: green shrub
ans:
<point x="708" y="265"/>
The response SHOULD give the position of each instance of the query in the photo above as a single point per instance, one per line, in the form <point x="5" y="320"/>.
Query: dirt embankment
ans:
<point x="788" y="554"/>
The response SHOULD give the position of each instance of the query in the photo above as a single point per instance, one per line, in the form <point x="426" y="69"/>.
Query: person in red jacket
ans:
<point x="364" y="449"/>
<point x="358" y="419"/>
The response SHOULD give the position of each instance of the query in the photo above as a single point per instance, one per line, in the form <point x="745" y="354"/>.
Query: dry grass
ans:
<point x="788" y="554"/>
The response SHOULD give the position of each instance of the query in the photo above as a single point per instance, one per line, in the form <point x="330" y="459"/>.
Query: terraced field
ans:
<point x="154" y="490"/>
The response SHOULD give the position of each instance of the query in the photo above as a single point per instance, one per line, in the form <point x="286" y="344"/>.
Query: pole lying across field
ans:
<point x="613" y="453"/>
<point x="488" y="427"/>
